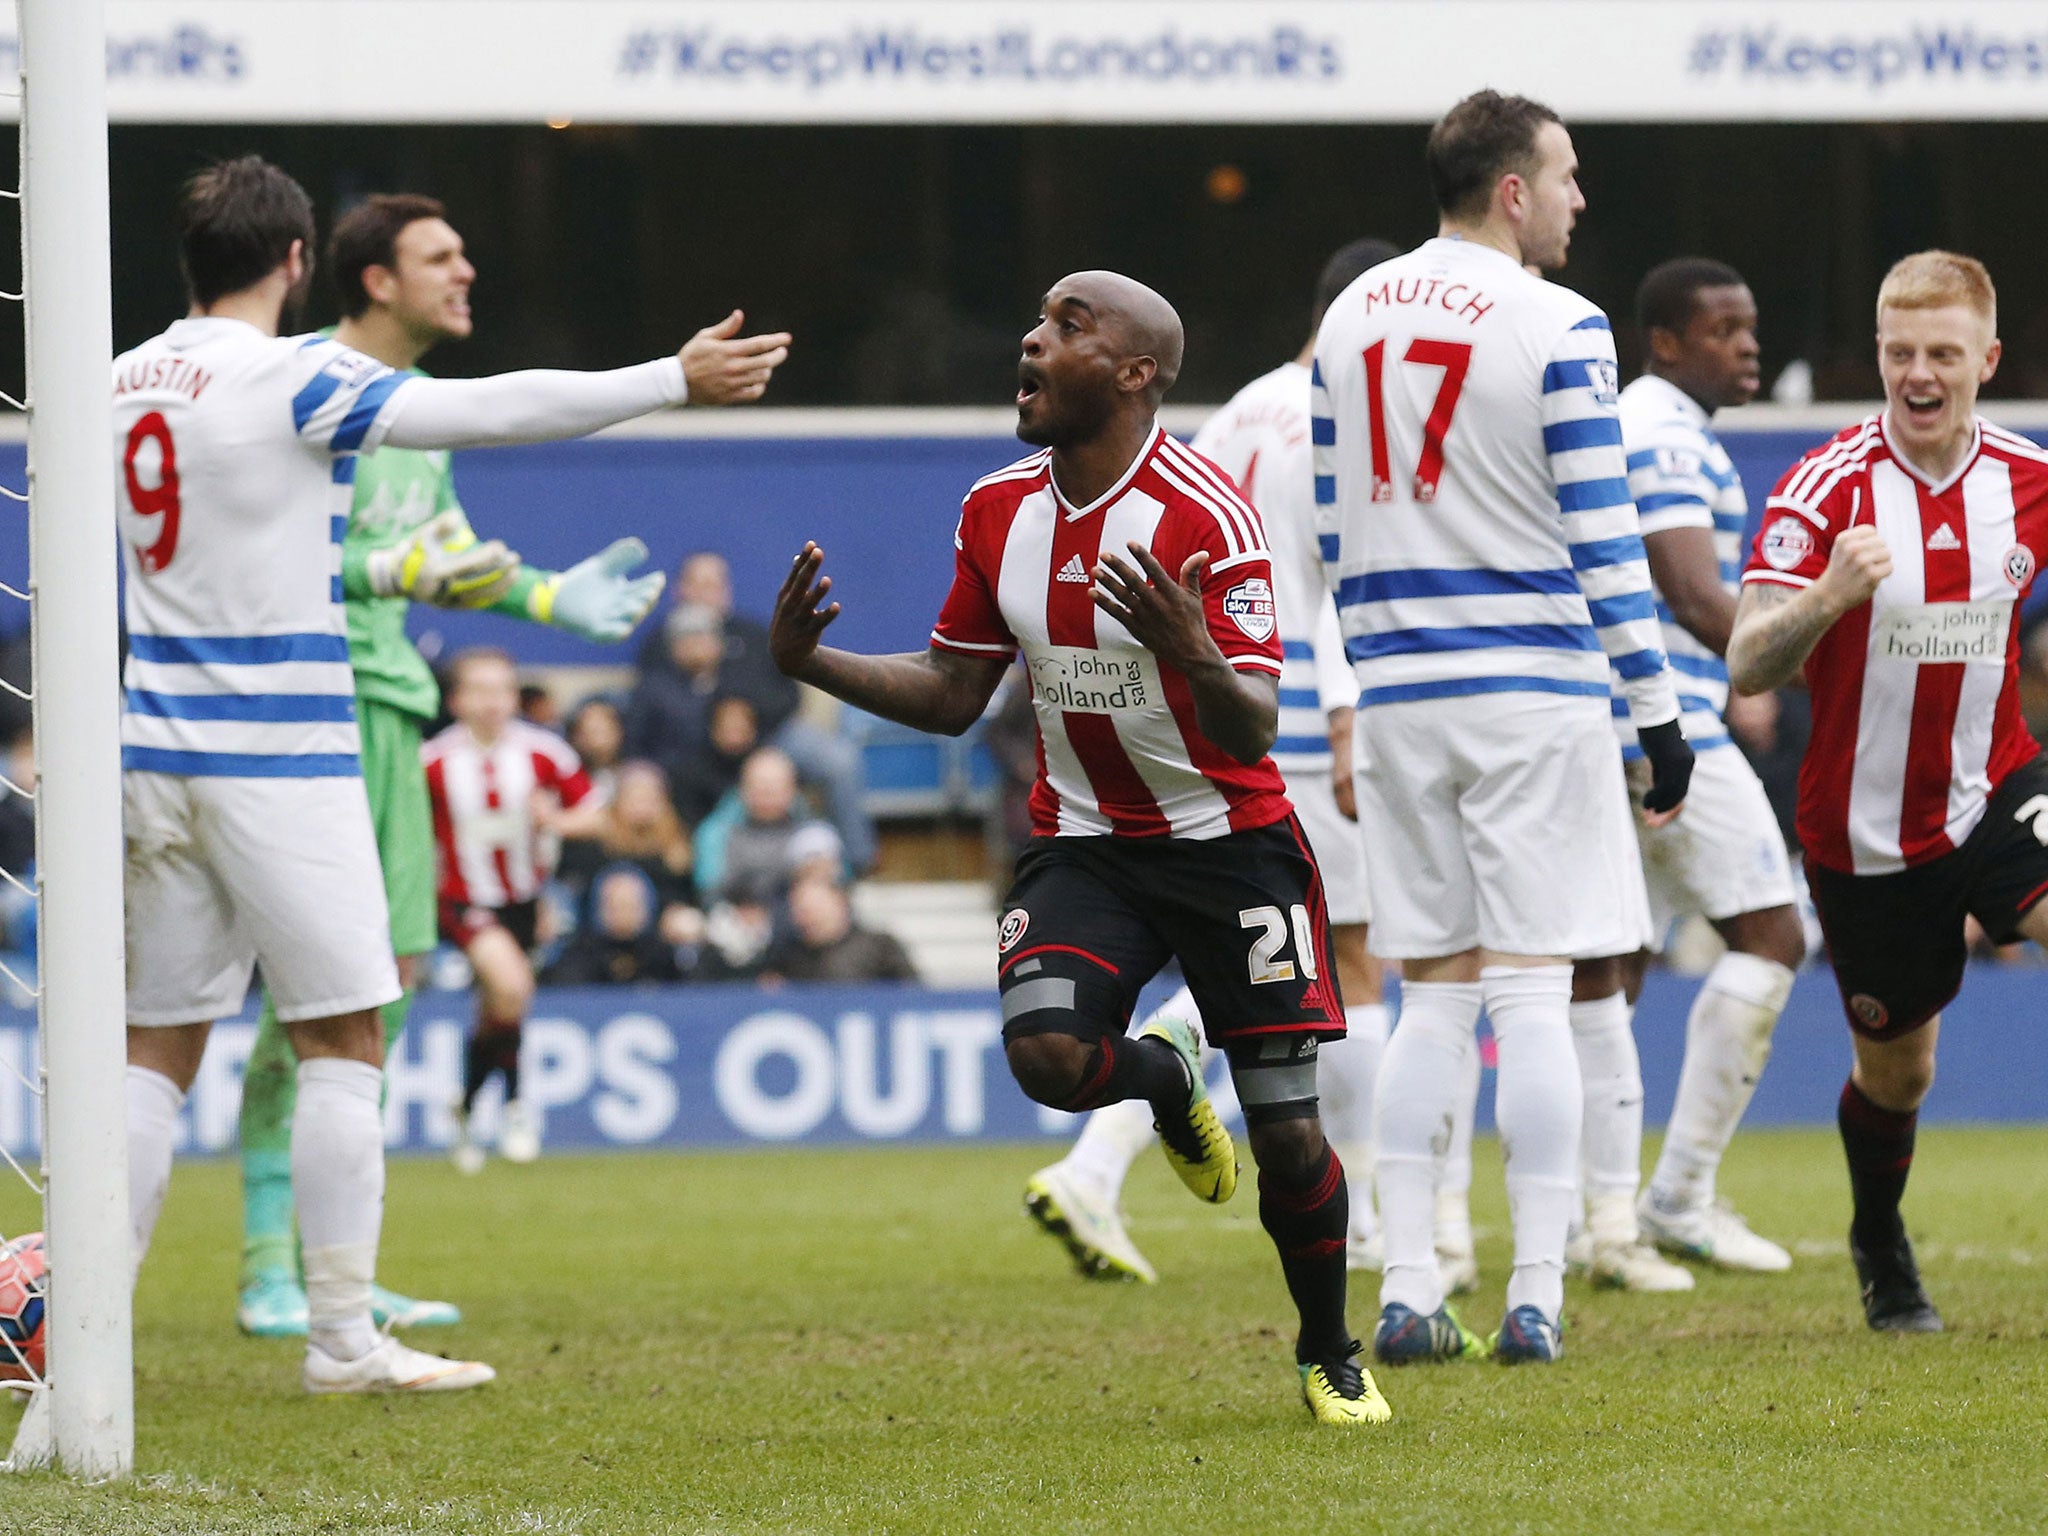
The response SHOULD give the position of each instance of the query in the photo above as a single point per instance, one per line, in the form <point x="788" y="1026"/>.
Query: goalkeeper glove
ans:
<point x="1670" y="765"/>
<point x="595" y="598"/>
<point x="441" y="563"/>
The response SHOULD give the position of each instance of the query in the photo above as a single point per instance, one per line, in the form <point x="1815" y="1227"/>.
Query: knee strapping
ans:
<point x="1275" y="1078"/>
<point x="1058" y="994"/>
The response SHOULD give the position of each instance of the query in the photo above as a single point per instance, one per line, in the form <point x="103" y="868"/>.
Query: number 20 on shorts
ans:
<point x="1264" y="961"/>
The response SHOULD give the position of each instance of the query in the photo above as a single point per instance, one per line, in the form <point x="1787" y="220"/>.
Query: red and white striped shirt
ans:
<point x="1916" y="715"/>
<point x="490" y="852"/>
<point x="1119" y="751"/>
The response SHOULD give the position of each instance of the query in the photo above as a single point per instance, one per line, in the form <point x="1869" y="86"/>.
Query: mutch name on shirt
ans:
<point x="1429" y="293"/>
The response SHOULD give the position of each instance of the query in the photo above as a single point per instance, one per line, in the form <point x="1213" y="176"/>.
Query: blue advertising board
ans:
<point x="729" y="1066"/>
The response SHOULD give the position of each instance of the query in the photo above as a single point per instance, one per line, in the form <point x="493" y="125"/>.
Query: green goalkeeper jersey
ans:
<point x="396" y="490"/>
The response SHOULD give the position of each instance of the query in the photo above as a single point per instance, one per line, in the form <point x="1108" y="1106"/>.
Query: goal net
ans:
<point x="79" y="1411"/>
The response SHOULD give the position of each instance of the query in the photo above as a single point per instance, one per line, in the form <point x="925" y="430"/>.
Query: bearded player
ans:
<point x="1138" y="585"/>
<point x="1889" y="572"/>
<point x="249" y="837"/>
<point x="404" y="280"/>
<point x="1261" y="439"/>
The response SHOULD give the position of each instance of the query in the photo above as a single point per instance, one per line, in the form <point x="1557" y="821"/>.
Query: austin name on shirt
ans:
<point x="1944" y="632"/>
<point x="1092" y="682"/>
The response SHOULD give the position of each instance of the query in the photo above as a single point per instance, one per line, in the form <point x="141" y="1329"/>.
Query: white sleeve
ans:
<point x="1336" y="683"/>
<point x="536" y="406"/>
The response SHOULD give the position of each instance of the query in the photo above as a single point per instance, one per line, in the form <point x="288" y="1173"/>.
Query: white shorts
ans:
<point x="1724" y="855"/>
<point x="1500" y="821"/>
<point x="225" y="874"/>
<point x="1335" y="841"/>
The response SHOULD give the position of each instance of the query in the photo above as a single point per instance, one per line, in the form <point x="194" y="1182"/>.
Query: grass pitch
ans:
<point x="876" y="1341"/>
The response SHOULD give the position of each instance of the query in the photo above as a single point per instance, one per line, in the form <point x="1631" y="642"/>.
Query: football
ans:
<point x="24" y="1278"/>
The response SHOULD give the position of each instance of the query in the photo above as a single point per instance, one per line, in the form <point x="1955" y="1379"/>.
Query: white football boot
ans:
<point x="518" y="1135"/>
<point x="1087" y="1223"/>
<point x="1621" y="1260"/>
<point x="467" y="1156"/>
<point x="1713" y="1233"/>
<point x="391" y="1367"/>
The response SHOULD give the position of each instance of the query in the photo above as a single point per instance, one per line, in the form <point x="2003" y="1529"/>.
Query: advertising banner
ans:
<point x="1099" y="61"/>
<point x="733" y="1066"/>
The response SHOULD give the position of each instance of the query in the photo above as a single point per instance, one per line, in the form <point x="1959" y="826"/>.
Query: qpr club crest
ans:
<point x="1015" y="921"/>
<point x="1250" y="606"/>
<point x="1786" y="544"/>
<point x="2019" y="565"/>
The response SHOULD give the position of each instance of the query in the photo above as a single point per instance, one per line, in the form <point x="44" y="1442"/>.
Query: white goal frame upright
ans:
<point x="84" y="1419"/>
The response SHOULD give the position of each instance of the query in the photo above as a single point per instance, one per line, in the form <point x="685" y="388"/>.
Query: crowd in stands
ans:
<point x="724" y="826"/>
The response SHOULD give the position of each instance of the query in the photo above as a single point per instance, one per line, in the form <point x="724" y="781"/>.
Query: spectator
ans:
<point x="597" y="730"/>
<point x="640" y="828"/>
<point x="620" y="944"/>
<point x="823" y="758"/>
<point x="825" y="944"/>
<point x="668" y="713"/>
<point x="537" y="707"/>
<point x="755" y="845"/>
<point x="709" y="776"/>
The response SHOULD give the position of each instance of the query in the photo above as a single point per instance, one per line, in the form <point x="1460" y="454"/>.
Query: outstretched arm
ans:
<point x="1776" y="628"/>
<point x="715" y="367"/>
<point x="933" y="690"/>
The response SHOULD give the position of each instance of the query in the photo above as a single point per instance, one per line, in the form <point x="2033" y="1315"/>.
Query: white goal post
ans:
<point x="84" y="1419"/>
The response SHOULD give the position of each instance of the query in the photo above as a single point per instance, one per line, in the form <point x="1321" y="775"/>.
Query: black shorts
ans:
<point x="1244" y="915"/>
<point x="461" y="924"/>
<point x="1897" y="940"/>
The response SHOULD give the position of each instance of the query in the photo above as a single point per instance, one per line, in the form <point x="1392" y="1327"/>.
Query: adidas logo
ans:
<point x="1944" y="537"/>
<point x="1073" y="570"/>
<point x="1312" y="1000"/>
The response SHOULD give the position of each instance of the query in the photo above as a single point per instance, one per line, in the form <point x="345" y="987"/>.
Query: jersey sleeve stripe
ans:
<point x="1658" y="501"/>
<point x="1635" y="665"/>
<point x="1326" y="496"/>
<point x="238" y="650"/>
<point x="1594" y="553"/>
<point x="1624" y="608"/>
<point x="971" y="645"/>
<point x="1567" y="373"/>
<point x="1582" y="432"/>
<point x="1590" y="495"/>
<point x="1462" y="687"/>
<point x="1594" y="323"/>
<point x="1781" y="578"/>
<point x="315" y="393"/>
<point x="269" y="707"/>
<point x="370" y="400"/>
<point x="1322" y="431"/>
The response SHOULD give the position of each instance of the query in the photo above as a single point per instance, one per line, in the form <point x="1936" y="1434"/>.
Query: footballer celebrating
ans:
<point x="249" y="836"/>
<point x="1261" y="440"/>
<point x="1890" y="570"/>
<point x="1137" y="583"/>
<point x="404" y="280"/>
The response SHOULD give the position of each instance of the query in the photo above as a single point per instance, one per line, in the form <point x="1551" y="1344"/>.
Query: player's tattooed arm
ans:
<point x="933" y="690"/>
<point x="1239" y="711"/>
<point x="1776" y="628"/>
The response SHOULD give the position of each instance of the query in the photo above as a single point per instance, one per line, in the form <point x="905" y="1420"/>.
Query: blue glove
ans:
<point x="595" y="598"/>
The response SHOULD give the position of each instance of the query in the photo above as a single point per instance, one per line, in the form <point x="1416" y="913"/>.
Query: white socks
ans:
<point x="1727" y="1042"/>
<point x="1611" y="1143"/>
<point x="1421" y="1074"/>
<point x="1538" y="1103"/>
<point x="153" y="1104"/>
<point x="1346" y="1071"/>
<point x="1454" y="1180"/>
<point x="338" y="1184"/>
